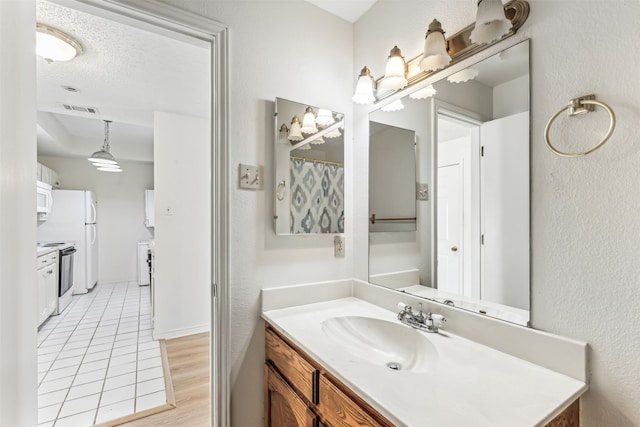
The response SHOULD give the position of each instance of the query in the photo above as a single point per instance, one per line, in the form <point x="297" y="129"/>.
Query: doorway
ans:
<point x="458" y="193"/>
<point x="181" y="25"/>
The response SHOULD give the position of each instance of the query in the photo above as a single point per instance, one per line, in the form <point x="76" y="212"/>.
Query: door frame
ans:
<point x="439" y="107"/>
<point x="215" y="33"/>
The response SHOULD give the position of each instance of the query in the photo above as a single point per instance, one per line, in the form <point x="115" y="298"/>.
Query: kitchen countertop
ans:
<point x="469" y="383"/>
<point x="45" y="250"/>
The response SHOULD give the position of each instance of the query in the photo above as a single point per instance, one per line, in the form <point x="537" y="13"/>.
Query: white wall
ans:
<point x="511" y="97"/>
<point x="182" y="161"/>
<point x="584" y="211"/>
<point x="18" y="382"/>
<point x="121" y="211"/>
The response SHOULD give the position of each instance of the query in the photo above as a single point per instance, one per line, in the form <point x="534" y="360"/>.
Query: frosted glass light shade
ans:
<point x="295" y="134"/>
<point x="395" y="73"/>
<point x="491" y="22"/>
<point x="309" y="122"/>
<point x="304" y="147"/>
<point x="463" y="75"/>
<point x="435" y="54"/>
<point x="333" y="134"/>
<point x="318" y="140"/>
<point x="55" y="45"/>
<point x="364" y="89"/>
<point x="325" y="117"/>
<point x="424" y="93"/>
<point x="396" y="105"/>
<point x="107" y="169"/>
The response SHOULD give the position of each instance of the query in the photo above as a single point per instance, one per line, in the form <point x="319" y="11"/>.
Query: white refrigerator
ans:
<point x="74" y="218"/>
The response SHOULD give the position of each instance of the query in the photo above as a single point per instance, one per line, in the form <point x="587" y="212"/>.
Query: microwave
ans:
<point x="44" y="199"/>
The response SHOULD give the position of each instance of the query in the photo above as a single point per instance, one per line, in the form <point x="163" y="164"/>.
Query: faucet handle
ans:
<point x="439" y="320"/>
<point x="404" y="307"/>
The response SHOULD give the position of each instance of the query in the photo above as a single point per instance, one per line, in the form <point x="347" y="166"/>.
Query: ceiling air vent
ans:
<point x="80" y="109"/>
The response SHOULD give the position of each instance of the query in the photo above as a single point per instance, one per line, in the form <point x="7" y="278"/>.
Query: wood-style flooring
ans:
<point x="190" y="372"/>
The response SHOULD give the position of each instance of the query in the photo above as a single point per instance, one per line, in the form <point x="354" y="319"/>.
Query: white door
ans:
<point x="505" y="210"/>
<point x="450" y="191"/>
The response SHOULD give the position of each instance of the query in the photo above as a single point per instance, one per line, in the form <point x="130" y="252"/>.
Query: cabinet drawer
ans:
<point x="283" y="407"/>
<point x="296" y="370"/>
<point x="340" y="410"/>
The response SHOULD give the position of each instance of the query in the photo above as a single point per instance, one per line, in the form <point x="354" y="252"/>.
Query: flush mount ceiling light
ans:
<point x="463" y="75"/>
<point x="364" y="88"/>
<point x="295" y="134"/>
<point x="54" y="45"/>
<point x="424" y="93"/>
<point x="395" y="73"/>
<point x="396" y="105"/>
<point x="491" y="22"/>
<point x="309" y="122"/>
<point x="435" y="54"/>
<point x="102" y="159"/>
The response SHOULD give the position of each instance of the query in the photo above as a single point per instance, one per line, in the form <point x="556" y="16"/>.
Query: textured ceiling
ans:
<point x="126" y="73"/>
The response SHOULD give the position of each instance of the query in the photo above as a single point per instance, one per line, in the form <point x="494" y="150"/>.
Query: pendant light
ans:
<point x="395" y="73"/>
<point x="102" y="158"/>
<point x="364" y="88"/>
<point x="491" y="22"/>
<point x="435" y="54"/>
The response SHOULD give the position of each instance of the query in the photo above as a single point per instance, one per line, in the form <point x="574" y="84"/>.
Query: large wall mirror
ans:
<point x="309" y="169"/>
<point x="467" y="243"/>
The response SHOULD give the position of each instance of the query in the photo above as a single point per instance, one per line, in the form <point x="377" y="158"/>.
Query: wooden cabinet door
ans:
<point x="282" y="406"/>
<point x="340" y="410"/>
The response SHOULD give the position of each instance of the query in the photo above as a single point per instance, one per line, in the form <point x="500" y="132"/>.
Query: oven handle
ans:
<point x="68" y="251"/>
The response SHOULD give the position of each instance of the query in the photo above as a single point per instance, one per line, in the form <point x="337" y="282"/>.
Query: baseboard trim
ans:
<point x="182" y="332"/>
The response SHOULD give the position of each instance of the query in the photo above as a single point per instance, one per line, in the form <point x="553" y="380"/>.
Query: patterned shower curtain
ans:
<point x="317" y="197"/>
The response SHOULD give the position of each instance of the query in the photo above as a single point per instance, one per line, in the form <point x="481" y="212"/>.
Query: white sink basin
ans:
<point x="382" y="343"/>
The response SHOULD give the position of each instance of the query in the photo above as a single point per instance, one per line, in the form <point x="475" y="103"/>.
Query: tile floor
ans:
<point x="97" y="360"/>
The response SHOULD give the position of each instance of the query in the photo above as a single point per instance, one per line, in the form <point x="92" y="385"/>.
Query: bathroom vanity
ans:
<point x="341" y="360"/>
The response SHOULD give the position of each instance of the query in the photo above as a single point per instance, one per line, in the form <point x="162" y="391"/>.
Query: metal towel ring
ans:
<point x="280" y="190"/>
<point x="582" y="105"/>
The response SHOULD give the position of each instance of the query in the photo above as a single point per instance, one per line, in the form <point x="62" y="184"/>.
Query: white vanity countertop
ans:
<point x="469" y="385"/>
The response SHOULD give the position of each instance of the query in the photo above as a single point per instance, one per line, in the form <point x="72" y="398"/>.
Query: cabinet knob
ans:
<point x="454" y="249"/>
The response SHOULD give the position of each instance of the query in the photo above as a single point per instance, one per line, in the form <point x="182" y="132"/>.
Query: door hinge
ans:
<point x="214" y="290"/>
<point x="482" y="151"/>
<point x="482" y="239"/>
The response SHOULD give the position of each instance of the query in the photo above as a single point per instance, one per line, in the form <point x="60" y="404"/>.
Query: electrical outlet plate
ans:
<point x="338" y="246"/>
<point x="422" y="191"/>
<point x="250" y="177"/>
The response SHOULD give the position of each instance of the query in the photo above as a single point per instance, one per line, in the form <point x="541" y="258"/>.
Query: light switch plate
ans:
<point x="422" y="191"/>
<point x="338" y="246"/>
<point x="250" y="177"/>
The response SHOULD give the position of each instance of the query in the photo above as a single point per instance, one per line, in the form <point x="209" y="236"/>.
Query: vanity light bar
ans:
<point x="461" y="47"/>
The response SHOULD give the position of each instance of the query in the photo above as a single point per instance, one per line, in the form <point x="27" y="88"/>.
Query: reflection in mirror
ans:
<point x="392" y="202"/>
<point x="471" y="244"/>
<point x="309" y="157"/>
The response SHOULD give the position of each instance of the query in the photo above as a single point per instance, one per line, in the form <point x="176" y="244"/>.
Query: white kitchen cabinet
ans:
<point x="149" y="204"/>
<point x="48" y="175"/>
<point x="47" y="290"/>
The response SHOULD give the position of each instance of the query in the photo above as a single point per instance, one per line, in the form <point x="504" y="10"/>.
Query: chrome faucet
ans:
<point x="426" y="322"/>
